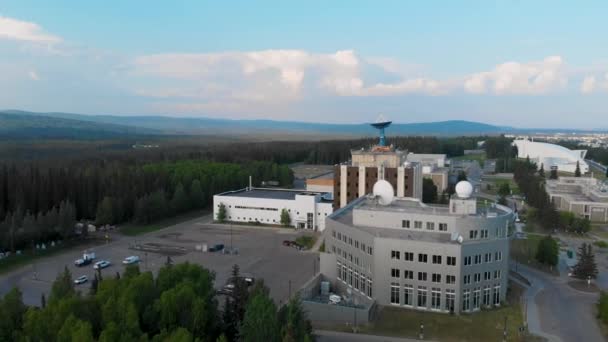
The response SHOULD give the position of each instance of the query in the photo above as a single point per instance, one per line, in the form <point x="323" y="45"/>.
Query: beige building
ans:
<point x="433" y="167"/>
<point x="356" y="179"/>
<point x="584" y="196"/>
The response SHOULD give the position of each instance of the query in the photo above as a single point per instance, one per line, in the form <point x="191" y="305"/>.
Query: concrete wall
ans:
<point x="268" y="211"/>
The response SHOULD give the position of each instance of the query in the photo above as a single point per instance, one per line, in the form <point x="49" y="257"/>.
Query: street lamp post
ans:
<point x="504" y="333"/>
<point x="421" y="334"/>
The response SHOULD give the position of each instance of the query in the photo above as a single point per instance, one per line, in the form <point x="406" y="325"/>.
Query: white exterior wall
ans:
<point x="268" y="210"/>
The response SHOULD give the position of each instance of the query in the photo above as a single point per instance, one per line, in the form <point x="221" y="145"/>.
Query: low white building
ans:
<point x="552" y="156"/>
<point x="307" y="209"/>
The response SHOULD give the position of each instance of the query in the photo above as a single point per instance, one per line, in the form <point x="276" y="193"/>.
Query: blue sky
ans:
<point x="518" y="63"/>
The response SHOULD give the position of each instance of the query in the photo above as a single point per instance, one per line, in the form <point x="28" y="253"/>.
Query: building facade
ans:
<point x="586" y="197"/>
<point x="307" y="209"/>
<point x="354" y="181"/>
<point x="432" y="258"/>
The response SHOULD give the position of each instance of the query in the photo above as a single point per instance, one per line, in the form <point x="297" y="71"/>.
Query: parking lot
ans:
<point x="261" y="254"/>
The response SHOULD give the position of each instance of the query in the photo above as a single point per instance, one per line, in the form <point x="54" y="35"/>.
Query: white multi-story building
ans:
<point x="307" y="209"/>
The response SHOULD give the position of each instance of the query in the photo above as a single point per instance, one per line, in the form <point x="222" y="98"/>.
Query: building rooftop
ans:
<point x="282" y="194"/>
<point x="390" y="233"/>
<point x="328" y="175"/>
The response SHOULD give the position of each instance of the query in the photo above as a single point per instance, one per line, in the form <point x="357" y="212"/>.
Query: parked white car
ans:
<point x="81" y="280"/>
<point x="133" y="259"/>
<point x="101" y="264"/>
<point x="334" y="299"/>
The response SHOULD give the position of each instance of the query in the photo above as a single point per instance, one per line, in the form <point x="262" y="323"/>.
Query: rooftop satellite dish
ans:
<point x="384" y="192"/>
<point x="464" y="189"/>
<point x="460" y="239"/>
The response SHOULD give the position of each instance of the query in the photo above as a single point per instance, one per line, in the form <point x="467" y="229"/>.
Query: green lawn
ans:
<point x="133" y="229"/>
<point x="481" y="326"/>
<point x="524" y="251"/>
<point x="481" y="157"/>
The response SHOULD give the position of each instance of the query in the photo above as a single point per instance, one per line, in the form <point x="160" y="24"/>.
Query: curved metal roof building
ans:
<point x="551" y="155"/>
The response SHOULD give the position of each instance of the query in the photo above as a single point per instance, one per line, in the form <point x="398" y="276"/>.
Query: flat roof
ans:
<point x="328" y="175"/>
<point x="283" y="194"/>
<point x="391" y="233"/>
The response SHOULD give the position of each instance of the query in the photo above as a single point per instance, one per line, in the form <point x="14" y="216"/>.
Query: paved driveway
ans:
<point x="558" y="311"/>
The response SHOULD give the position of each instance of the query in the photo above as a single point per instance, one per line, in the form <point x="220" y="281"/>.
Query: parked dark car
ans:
<point x="216" y="248"/>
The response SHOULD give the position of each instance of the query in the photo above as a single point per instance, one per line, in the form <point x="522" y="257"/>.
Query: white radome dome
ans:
<point x="384" y="192"/>
<point x="464" y="189"/>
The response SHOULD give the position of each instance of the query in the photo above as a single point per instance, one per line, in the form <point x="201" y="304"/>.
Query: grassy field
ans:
<point x="524" y="251"/>
<point x="134" y="229"/>
<point x="481" y="157"/>
<point x="482" y="326"/>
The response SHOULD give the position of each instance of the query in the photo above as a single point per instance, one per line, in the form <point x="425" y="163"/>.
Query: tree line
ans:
<point x="180" y="304"/>
<point x="532" y="185"/>
<point x="41" y="202"/>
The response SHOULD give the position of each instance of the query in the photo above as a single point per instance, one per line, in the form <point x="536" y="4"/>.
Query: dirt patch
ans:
<point x="158" y="248"/>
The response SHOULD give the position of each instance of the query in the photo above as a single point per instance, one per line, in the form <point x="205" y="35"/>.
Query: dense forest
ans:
<point x="42" y="196"/>
<point x="180" y="304"/>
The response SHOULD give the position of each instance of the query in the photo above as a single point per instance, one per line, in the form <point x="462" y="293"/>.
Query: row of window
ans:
<point x="477" y="276"/>
<point x="347" y="256"/>
<point x="253" y="208"/>
<point x="422" y="257"/>
<point x="443" y="227"/>
<point x="349" y="241"/>
<point x="483" y="234"/>
<point x="487" y="258"/>
<point x="355" y="279"/>
<point x="478" y="300"/>
<point x="419" y="299"/>
<point x="422" y="276"/>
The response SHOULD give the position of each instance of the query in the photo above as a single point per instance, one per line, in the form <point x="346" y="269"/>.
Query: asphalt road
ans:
<point x="261" y="254"/>
<point x="560" y="312"/>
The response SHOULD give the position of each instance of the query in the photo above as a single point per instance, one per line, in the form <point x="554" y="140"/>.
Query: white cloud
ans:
<point x="520" y="78"/>
<point x="274" y="77"/>
<point x="33" y="75"/>
<point x="13" y="29"/>
<point x="588" y="85"/>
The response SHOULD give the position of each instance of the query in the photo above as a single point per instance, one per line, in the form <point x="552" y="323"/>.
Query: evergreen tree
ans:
<point x="221" y="213"/>
<point x="541" y="171"/>
<point x="295" y="326"/>
<point x="105" y="212"/>
<point x="462" y="176"/>
<point x="547" y="251"/>
<point x="180" y="201"/>
<point x="585" y="267"/>
<point x="429" y="191"/>
<point x="285" y="218"/>
<point x="197" y="198"/>
<point x="577" y="171"/>
<point x="260" y="322"/>
<point x="63" y="286"/>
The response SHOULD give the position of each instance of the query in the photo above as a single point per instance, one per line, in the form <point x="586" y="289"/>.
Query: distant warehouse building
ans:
<point x="586" y="197"/>
<point x="552" y="156"/>
<point x="307" y="209"/>
<point x="401" y="252"/>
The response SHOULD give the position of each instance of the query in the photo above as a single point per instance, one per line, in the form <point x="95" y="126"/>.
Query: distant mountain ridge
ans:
<point x="184" y="125"/>
<point x="24" y="125"/>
